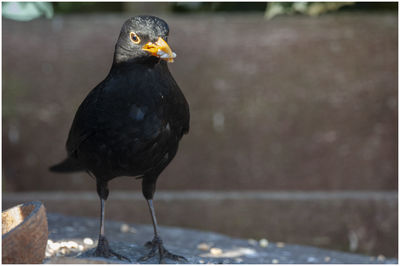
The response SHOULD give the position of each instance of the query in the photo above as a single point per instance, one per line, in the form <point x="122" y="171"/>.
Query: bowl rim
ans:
<point x="37" y="207"/>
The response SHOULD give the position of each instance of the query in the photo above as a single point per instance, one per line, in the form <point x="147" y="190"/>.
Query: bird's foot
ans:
<point x="157" y="245"/>
<point x="103" y="250"/>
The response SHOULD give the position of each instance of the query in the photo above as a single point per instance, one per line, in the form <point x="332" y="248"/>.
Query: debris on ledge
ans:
<point x="73" y="239"/>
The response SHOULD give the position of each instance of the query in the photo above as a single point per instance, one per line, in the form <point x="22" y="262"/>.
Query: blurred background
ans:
<point x="293" y="117"/>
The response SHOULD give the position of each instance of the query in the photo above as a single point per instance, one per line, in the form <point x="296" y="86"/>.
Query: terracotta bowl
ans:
<point x="24" y="233"/>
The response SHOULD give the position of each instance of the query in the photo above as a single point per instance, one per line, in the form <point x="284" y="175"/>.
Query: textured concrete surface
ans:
<point x="197" y="246"/>
<point x="361" y="222"/>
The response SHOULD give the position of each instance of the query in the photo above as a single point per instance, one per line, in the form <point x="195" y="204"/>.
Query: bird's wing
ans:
<point x="84" y="123"/>
<point x="180" y="105"/>
<point x="184" y="113"/>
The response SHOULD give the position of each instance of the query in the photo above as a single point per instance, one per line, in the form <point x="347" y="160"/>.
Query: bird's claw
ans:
<point x="103" y="250"/>
<point x="157" y="245"/>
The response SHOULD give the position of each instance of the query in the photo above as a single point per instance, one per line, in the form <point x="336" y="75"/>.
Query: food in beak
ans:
<point x="160" y="49"/>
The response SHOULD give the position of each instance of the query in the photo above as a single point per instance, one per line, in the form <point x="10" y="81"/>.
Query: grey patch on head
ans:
<point x="136" y="113"/>
<point x="167" y="127"/>
<point x="159" y="26"/>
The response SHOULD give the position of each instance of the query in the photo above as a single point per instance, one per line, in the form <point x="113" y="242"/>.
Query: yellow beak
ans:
<point x="160" y="49"/>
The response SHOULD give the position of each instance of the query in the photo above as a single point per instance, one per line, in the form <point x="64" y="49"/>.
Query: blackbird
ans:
<point x="131" y="123"/>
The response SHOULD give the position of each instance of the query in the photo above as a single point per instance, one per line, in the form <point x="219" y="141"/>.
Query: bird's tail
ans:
<point x="66" y="166"/>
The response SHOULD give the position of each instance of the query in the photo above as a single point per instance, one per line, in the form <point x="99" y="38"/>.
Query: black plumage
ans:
<point x="131" y="123"/>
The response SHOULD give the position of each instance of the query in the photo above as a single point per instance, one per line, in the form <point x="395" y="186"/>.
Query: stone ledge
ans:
<point x="362" y="222"/>
<point x="129" y="239"/>
<point x="214" y="195"/>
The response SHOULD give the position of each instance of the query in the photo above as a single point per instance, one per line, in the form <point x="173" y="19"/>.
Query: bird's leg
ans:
<point x="157" y="244"/>
<point x="103" y="249"/>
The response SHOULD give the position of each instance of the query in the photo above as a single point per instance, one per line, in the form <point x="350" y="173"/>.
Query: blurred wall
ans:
<point x="295" y="103"/>
<point x="291" y="104"/>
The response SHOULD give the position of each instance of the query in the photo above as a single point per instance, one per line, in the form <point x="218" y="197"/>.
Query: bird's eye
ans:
<point x="134" y="38"/>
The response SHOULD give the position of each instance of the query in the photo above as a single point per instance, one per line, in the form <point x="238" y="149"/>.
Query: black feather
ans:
<point x="67" y="166"/>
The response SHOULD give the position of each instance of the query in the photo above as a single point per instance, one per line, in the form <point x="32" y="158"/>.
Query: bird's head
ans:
<point x="143" y="39"/>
